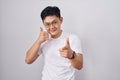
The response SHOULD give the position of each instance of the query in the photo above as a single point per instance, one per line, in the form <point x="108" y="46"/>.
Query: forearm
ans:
<point x="32" y="53"/>
<point x="77" y="62"/>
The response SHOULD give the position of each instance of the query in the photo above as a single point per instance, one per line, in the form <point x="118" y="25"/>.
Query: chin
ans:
<point x="53" y="33"/>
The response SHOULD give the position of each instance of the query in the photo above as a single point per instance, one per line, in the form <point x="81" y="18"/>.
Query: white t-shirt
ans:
<point x="57" y="67"/>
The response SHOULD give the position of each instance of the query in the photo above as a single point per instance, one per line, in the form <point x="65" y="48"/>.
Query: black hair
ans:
<point x="50" y="11"/>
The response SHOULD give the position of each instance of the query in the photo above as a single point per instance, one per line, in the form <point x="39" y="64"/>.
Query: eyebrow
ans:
<point x="50" y="22"/>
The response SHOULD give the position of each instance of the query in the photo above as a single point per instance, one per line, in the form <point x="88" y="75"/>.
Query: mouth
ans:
<point x="53" y="30"/>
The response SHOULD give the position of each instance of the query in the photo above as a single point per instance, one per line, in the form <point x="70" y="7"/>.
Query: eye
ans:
<point x="47" y="24"/>
<point x="55" y="22"/>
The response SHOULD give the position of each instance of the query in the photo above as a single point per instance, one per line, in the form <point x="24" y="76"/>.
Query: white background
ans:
<point x="96" y="22"/>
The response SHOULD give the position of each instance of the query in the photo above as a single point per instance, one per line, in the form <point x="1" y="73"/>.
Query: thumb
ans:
<point x="41" y="29"/>
<point x="67" y="43"/>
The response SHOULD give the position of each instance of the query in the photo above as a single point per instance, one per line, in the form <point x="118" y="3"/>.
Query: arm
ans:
<point x="67" y="52"/>
<point x="32" y="53"/>
<point x="77" y="61"/>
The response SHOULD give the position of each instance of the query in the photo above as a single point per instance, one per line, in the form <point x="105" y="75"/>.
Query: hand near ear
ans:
<point x="66" y="51"/>
<point x="43" y="35"/>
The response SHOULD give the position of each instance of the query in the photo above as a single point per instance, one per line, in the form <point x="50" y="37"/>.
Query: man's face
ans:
<point x="53" y="25"/>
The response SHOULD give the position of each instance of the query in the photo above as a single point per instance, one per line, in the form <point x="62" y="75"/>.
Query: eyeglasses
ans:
<point x="53" y="23"/>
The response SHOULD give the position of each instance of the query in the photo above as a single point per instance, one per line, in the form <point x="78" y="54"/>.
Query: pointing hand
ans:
<point x="66" y="51"/>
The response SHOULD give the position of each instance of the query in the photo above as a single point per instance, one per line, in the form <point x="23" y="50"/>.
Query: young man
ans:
<point x="61" y="51"/>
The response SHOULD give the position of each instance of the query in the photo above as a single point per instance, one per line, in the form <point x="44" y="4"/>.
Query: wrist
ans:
<point x="39" y="41"/>
<point x="73" y="55"/>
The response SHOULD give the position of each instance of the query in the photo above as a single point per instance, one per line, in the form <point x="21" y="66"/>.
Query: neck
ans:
<point x="56" y="36"/>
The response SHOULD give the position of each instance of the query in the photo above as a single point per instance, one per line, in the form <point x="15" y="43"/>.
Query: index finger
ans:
<point x="67" y="42"/>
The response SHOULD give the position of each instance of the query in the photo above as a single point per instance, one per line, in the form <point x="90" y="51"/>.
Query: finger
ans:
<point x="67" y="43"/>
<point x="65" y="47"/>
<point x="61" y="50"/>
<point x="48" y="38"/>
<point x="46" y="34"/>
<point x="63" y="54"/>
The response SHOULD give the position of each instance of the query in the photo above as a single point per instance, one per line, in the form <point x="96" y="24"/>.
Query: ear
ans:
<point x="61" y="19"/>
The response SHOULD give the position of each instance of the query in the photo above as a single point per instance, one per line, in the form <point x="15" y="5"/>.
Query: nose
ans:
<point x="51" y="26"/>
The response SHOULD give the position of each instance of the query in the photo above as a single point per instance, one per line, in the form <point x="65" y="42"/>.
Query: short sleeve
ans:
<point x="40" y="51"/>
<point x="75" y="43"/>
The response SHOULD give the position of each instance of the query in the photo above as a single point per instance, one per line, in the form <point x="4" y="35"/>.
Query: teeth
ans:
<point x="53" y="30"/>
